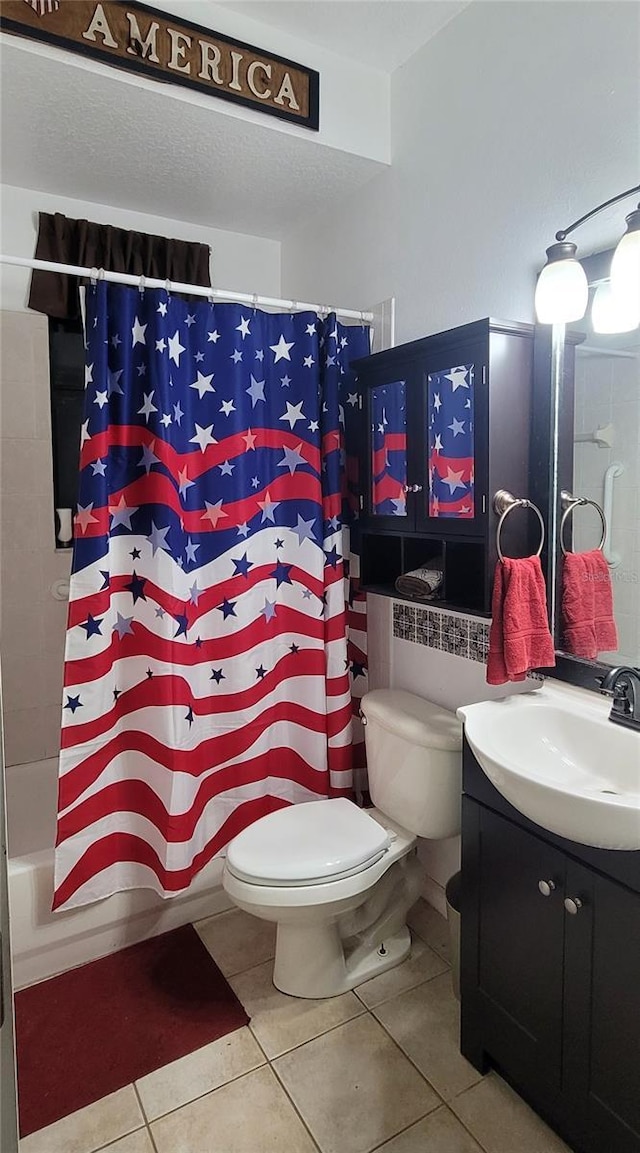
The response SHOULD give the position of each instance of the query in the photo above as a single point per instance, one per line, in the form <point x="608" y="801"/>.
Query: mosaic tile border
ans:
<point x="453" y="633"/>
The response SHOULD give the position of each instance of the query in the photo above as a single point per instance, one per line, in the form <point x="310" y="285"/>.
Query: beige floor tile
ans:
<point x="440" y="1132"/>
<point x="281" y="1022"/>
<point x="425" y="1022"/>
<point x="138" y="1142"/>
<point x="502" y="1122"/>
<point x="354" y="1088"/>
<point x="238" y="941"/>
<point x="421" y="965"/>
<point x="251" y="1115"/>
<point x="198" y="1073"/>
<point x="90" y="1128"/>
<point x="429" y="924"/>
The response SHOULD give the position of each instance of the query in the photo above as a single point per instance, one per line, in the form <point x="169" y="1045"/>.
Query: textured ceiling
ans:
<point x="381" y="33"/>
<point x="104" y="138"/>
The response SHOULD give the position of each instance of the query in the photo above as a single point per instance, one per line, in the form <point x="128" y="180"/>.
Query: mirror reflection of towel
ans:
<point x="588" y="624"/>
<point x="421" y="583"/>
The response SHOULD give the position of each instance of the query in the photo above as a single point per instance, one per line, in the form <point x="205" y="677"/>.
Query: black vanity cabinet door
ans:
<point x="454" y="445"/>
<point x="512" y="950"/>
<point x="602" y="1011"/>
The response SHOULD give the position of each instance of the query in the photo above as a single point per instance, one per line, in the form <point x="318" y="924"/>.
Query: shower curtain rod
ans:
<point x="190" y="289"/>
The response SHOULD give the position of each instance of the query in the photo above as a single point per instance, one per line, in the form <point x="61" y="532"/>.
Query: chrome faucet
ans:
<point x="623" y="684"/>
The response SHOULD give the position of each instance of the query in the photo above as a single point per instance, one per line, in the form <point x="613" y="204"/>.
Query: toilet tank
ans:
<point x="414" y="762"/>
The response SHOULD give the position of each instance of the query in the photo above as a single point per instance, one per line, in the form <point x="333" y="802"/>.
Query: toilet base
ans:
<point x="313" y="961"/>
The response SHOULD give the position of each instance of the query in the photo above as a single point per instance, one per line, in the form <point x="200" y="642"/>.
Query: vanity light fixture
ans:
<point x="625" y="266"/>
<point x="562" y="291"/>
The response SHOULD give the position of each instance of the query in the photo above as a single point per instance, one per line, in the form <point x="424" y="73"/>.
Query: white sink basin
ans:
<point x="557" y="758"/>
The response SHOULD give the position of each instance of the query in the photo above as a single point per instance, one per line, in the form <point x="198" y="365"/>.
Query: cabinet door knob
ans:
<point x="412" y="487"/>
<point x="572" y="905"/>
<point x="546" y="888"/>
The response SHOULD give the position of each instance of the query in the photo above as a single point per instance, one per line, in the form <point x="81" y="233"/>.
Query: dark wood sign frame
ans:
<point x="19" y="18"/>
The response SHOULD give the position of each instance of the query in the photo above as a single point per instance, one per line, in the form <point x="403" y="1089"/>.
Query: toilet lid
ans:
<point x="312" y="842"/>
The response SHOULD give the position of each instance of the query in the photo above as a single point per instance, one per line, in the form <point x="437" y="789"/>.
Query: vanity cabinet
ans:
<point x="550" y="969"/>
<point x="446" y="422"/>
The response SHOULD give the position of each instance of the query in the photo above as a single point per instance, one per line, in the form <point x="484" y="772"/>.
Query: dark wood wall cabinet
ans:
<point x="447" y="422"/>
<point x="550" y="969"/>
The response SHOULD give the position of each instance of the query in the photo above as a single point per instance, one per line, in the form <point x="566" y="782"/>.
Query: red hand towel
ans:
<point x="519" y="638"/>
<point x="578" y="608"/>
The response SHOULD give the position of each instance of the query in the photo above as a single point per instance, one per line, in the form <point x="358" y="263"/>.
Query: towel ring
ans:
<point x="569" y="504"/>
<point x="504" y="503"/>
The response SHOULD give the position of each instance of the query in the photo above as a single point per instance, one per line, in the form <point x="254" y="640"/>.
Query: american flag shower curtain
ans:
<point x="207" y="675"/>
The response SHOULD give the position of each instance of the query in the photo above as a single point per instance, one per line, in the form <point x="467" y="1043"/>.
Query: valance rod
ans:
<point x="190" y="289"/>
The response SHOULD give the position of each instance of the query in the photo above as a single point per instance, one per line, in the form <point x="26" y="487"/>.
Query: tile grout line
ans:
<point x="294" y="1106"/>
<point x="367" y="1013"/>
<point x="147" y="1123"/>
<point x="409" y="989"/>
<point x="316" y="1036"/>
<point x="407" y="1127"/>
<point x="140" y="1103"/>
<point x="109" y="1144"/>
<point x="207" y="1092"/>
<point x="410" y="1059"/>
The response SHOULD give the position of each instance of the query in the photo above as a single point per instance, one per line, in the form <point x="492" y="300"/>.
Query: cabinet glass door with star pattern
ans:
<point x="453" y="422"/>
<point x="386" y="495"/>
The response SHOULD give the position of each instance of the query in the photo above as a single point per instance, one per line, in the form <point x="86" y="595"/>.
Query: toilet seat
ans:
<point x="314" y="843"/>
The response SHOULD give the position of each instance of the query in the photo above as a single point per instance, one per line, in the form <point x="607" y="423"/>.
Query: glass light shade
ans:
<point x="612" y="313"/>
<point x="562" y="291"/>
<point x="625" y="266"/>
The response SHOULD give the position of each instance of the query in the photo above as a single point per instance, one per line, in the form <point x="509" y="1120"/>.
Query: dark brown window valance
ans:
<point x="89" y="245"/>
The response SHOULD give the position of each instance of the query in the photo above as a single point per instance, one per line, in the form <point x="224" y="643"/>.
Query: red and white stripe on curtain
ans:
<point x="207" y="673"/>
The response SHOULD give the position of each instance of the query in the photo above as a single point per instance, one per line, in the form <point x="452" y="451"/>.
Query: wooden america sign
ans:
<point x="162" y="47"/>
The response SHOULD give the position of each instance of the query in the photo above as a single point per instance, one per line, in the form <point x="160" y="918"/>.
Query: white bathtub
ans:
<point x="44" y="943"/>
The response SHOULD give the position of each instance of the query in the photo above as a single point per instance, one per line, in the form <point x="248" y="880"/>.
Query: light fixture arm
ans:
<point x="560" y="236"/>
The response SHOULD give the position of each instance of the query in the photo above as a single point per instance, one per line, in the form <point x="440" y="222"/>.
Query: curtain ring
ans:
<point x="141" y="285"/>
<point x="101" y="274"/>
<point x="167" y="287"/>
<point x="254" y="301"/>
<point x="94" y="277"/>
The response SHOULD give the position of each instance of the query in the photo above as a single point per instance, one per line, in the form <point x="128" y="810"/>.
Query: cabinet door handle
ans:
<point x="546" y="888"/>
<point x="572" y="905"/>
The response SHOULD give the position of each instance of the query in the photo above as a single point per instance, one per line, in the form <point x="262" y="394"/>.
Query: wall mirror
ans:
<point x="594" y="417"/>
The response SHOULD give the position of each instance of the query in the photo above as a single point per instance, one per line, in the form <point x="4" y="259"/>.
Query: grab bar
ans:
<point x="614" y="470"/>
<point x="569" y="504"/>
<point x="503" y="503"/>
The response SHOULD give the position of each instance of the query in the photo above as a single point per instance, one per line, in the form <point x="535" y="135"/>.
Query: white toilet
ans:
<point x="339" y="880"/>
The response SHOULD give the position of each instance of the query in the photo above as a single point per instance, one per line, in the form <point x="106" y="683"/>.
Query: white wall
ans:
<point x="354" y="97"/>
<point x="239" y="262"/>
<point x="514" y="120"/>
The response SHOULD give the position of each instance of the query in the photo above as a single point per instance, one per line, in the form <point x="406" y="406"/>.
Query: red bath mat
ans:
<point x="97" y="1028"/>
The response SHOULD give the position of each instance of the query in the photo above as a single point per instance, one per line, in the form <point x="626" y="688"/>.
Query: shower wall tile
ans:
<point x="24" y="739"/>
<point x="32" y="623"/>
